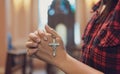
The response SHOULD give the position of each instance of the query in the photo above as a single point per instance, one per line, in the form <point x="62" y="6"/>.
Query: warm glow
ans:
<point x="91" y="2"/>
<point x="62" y="33"/>
<point x="21" y="3"/>
<point x="27" y="4"/>
<point x="95" y="1"/>
<point x="17" y="4"/>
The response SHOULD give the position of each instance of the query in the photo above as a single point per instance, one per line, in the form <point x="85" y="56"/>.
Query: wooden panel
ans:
<point x="22" y="20"/>
<point x="3" y="48"/>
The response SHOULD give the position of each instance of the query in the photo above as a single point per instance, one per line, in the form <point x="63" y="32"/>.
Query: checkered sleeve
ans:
<point x="111" y="34"/>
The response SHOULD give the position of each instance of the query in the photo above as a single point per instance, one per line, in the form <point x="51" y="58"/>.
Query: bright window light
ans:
<point x="43" y="17"/>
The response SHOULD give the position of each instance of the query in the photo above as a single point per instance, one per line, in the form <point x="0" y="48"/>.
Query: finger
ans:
<point x="41" y="32"/>
<point x="44" y="45"/>
<point x="50" y="30"/>
<point x="34" y="37"/>
<point x="31" y="44"/>
<point x="44" y="50"/>
<point x="30" y="52"/>
<point x="43" y="56"/>
<point x="42" y="35"/>
<point x="45" y="35"/>
<point x="36" y="32"/>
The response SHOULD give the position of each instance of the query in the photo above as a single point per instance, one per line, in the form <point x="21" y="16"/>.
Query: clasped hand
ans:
<point x="38" y="45"/>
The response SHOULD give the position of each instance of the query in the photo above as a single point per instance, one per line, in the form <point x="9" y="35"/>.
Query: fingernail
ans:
<point x="40" y="31"/>
<point x="36" y="32"/>
<point x="45" y="38"/>
<point x="38" y="40"/>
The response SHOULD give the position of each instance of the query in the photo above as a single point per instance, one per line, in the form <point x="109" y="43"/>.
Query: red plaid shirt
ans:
<point x="101" y="46"/>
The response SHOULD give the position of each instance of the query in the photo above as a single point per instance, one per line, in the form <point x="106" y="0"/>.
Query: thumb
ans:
<point x="50" y="30"/>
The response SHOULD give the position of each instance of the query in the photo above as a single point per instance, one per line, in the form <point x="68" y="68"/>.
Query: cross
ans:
<point x="54" y="45"/>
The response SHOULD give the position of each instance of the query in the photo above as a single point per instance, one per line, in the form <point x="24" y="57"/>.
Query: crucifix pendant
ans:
<point x="54" y="45"/>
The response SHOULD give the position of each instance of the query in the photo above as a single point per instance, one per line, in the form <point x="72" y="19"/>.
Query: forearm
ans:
<point x="72" y="66"/>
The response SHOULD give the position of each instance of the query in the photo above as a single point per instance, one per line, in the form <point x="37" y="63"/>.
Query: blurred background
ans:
<point x="18" y="18"/>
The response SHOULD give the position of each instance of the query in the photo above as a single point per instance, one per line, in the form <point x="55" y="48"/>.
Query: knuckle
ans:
<point x="27" y="44"/>
<point x="31" y="34"/>
<point x="36" y="32"/>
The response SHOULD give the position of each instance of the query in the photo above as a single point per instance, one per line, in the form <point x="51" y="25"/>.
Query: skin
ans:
<point x="38" y="45"/>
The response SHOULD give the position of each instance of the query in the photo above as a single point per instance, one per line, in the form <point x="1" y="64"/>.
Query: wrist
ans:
<point x="72" y="66"/>
<point x="60" y="57"/>
<point x="63" y="64"/>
